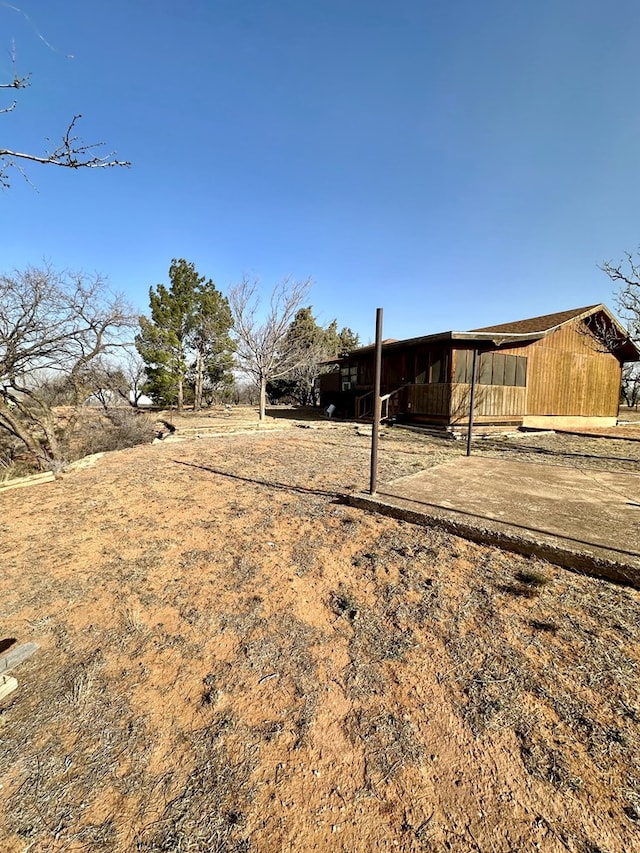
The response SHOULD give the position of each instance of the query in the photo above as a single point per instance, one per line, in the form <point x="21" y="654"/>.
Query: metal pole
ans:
<point x="472" y="400"/>
<point x="376" y="405"/>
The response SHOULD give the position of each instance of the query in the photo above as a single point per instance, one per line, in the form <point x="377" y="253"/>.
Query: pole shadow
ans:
<point x="339" y="497"/>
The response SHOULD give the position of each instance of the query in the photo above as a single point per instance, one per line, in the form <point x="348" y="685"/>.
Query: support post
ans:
<point x="373" y="482"/>
<point x="472" y="400"/>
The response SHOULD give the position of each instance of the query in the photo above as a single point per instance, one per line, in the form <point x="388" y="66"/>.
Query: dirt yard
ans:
<point x="233" y="659"/>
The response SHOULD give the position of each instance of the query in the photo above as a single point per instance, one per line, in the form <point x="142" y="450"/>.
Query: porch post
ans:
<point x="472" y="400"/>
<point x="376" y="405"/>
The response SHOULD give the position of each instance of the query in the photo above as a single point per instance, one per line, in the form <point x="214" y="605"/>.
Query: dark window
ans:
<point x="349" y="375"/>
<point x="484" y="373"/>
<point x="510" y="362"/>
<point x="464" y="361"/>
<point x="497" y="374"/>
<point x="421" y="366"/>
<point x="438" y="366"/>
<point x="434" y="372"/>
<point x="494" y="368"/>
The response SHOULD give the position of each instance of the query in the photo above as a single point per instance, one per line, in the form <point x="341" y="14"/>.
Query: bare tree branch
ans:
<point x="631" y="384"/>
<point x="262" y="347"/>
<point x="603" y="334"/>
<point x="17" y="83"/>
<point x="626" y="274"/>
<point x="71" y="153"/>
<point x="53" y="329"/>
<point x="628" y="295"/>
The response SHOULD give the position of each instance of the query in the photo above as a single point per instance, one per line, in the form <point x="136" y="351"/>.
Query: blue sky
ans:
<point x="456" y="162"/>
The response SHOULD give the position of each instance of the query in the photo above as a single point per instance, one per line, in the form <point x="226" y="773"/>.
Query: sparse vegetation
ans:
<point x="532" y="578"/>
<point x="246" y="663"/>
<point x="118" y="429"/>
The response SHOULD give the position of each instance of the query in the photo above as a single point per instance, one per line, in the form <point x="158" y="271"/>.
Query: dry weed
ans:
<point x="73" y="738"/>
<point x="580" y="629"/>
<point x="208" y="813"/>
<point x="544" y="661"/>
<point x="388" y="740"/>
<point x="373" y="640"/>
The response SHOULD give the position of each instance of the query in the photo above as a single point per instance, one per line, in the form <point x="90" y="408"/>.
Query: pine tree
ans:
<point x="209" y="338"/>
<point x="314" y="344"/>
<point x="185" y="337"/>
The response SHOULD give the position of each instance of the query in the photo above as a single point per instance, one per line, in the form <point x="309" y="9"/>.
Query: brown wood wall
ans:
<point x="330" y="382"/>
<point x="499" y="401"/>
<point x="431" y="399"/>
<point x="568" y="375"/>
<point x="452" y="401"/>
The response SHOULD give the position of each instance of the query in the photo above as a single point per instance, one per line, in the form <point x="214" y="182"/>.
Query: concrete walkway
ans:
<point x="585" y="520"/>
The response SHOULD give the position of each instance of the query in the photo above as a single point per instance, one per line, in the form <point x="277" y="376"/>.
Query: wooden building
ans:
<point x="560" y="370"/>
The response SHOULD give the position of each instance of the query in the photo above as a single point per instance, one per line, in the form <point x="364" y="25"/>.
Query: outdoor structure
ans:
<point x="558" y="370"/>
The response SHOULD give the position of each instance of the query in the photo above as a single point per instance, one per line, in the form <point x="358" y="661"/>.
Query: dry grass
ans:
<point x="389" y="743"/>
<point x="234" y="660"/>
<point x="209" y="811"/>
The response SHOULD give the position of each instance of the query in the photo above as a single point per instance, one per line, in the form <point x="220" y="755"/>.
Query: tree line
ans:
<point x="196" y="339"/>
<point x="65" y="340"/>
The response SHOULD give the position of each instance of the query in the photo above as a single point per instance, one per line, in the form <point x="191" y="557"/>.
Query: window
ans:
<point x="494" y="368"/>
<point x="485" y="363"/>
<point x="432" y="366"/>
<point x="464" y="361"/>
<point x="349" y="376"/>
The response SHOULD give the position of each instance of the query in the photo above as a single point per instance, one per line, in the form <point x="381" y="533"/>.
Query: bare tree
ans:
<point x="631" y="384"/>
<point x="264" y="351"/>
<point x="626" y="275"/>
<point x="134" y="372"/>
<point x="70" y="152"/>
<point x="119" y="380"/>
<point x="245" y="392"/>
<point x="54" y="328"/>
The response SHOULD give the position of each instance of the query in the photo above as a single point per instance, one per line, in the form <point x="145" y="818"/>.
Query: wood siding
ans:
<point x="569" y="375"/>
<point x="503" y="402"/>
<point x="442" y="400"/>
<point x="566" y="375"/>
<point x="434" y="399"/>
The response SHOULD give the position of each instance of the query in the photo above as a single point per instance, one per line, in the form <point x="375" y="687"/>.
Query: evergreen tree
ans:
<point x="314" y="344"/>
<point x="339" y="343"/>
<point x="186" y="337"/>
<point x="211" y="370"/>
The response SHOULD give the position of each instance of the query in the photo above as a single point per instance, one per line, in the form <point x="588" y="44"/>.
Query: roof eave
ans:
<point x="629" y="351"/>
<point x="486" y="338"/>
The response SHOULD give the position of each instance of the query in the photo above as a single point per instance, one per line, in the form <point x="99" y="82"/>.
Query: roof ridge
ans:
<point x="541" y="323"/>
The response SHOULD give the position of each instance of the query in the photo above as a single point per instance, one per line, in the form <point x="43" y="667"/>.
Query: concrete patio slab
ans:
<point x="582" y="519"/>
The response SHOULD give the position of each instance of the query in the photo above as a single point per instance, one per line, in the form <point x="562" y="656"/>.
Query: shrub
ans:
<point x="115" y="430"/>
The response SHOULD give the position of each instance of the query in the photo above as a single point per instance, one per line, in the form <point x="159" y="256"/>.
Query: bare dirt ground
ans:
<point x="627" y="413"/>
<point x="232" y="659"/>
